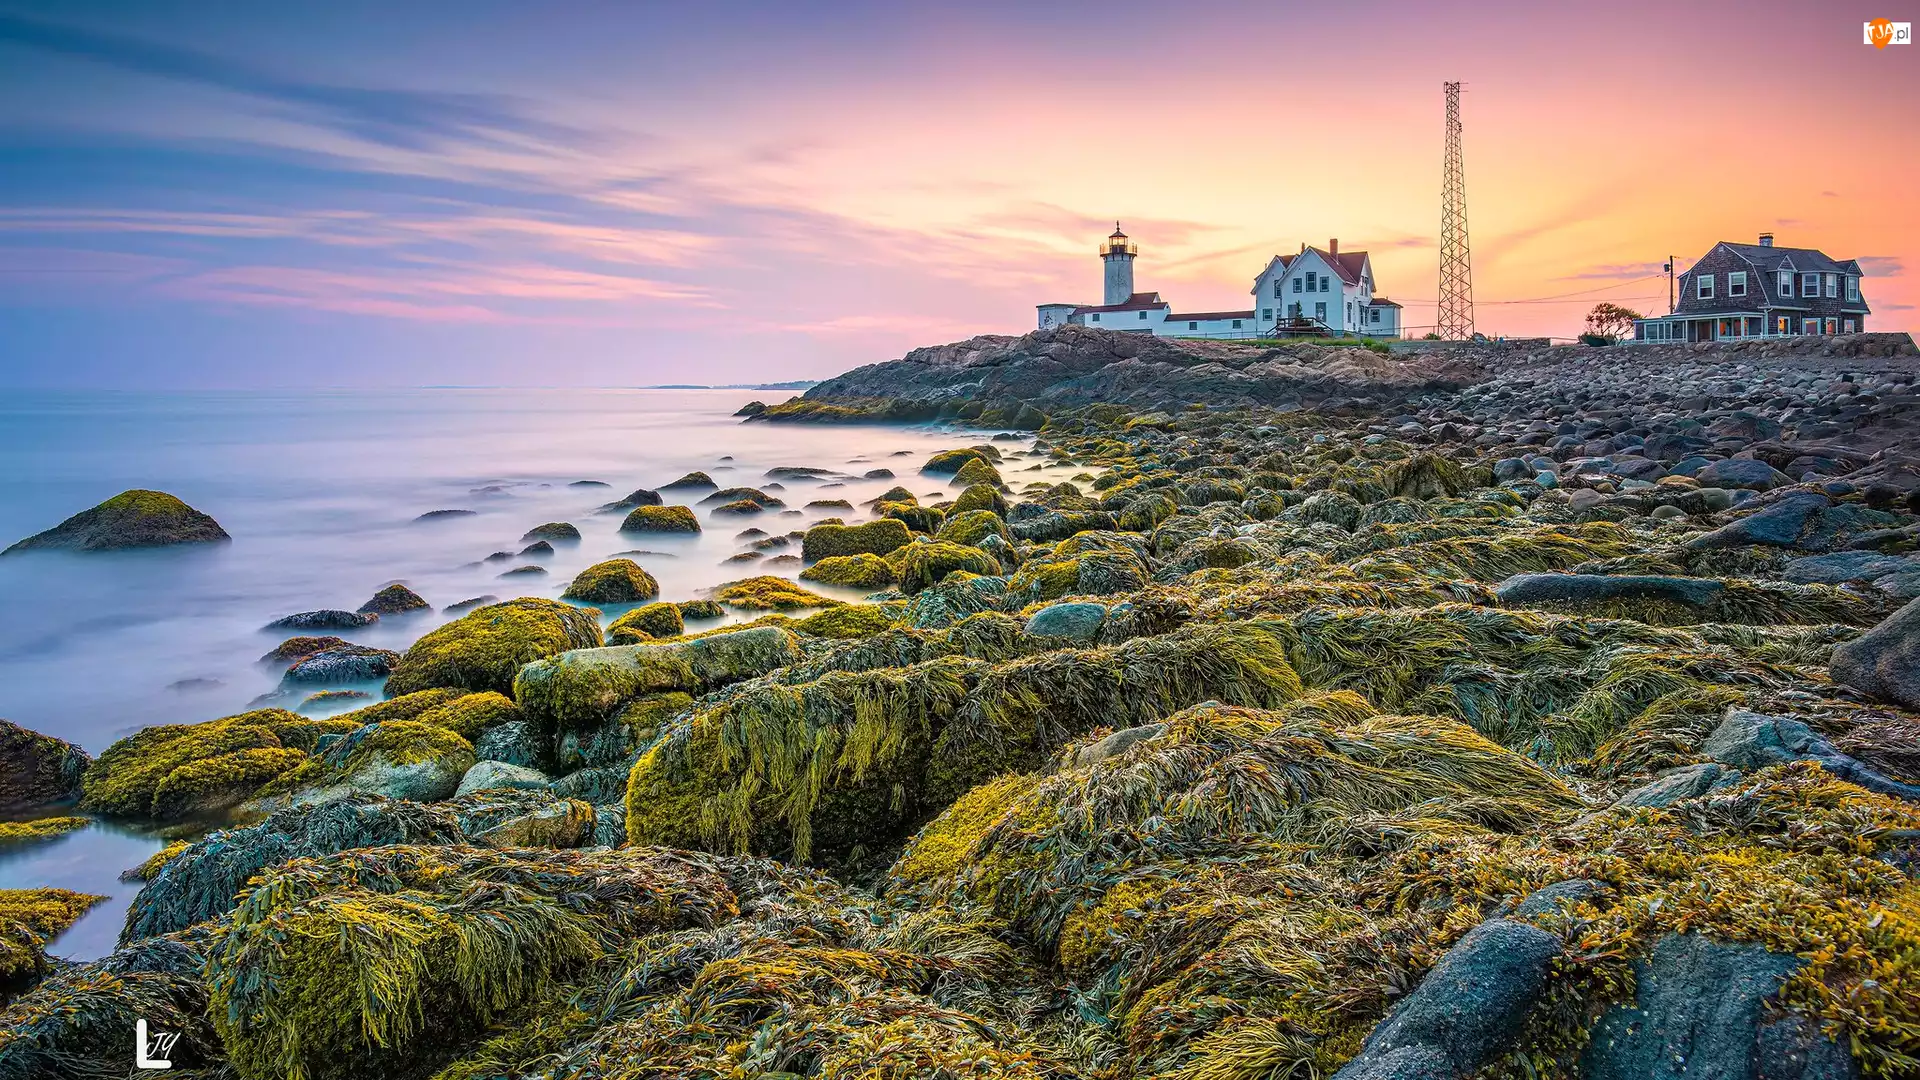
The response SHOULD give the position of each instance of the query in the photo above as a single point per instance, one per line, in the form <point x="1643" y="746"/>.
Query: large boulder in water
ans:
<point x="615" y="581"/>
<point x="1884" y="662"/>
<point x="177" y="771"/>
<point x="37" y="769"/>
<point x="131" y="519"/>
<point x="485" y="649"/>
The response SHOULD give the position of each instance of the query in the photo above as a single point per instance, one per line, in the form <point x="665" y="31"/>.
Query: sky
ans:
<point x="214" y="195"/>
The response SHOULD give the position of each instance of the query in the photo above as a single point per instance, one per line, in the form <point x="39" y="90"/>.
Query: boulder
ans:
<point x="36" y="769"/>
<point x="1884" y="662"/>
<point x="1686" y="782"/>
<point x="1112" y="745"/>
<point x="485" y="648"/>
<point x="1802" y="519"/>
<point x="295" y="649"/>
<point x="691" y="481"/>
<point x="398" y="759"/>
<point x="568" y="823"/>
<point x="582" y="689"/>
<point x="1845" y="566"/>
<point x="340" y="664"/>
<point x="1068" y="622"/>
<point x="1523" y="589"/>
<point x="1751" y="740"/>
<point x="516" y="742"/>
<point x="1702" y="1009"/>
<point x="615" y="581"/>
<point x="131" y="519"/>
<point x="562" y="531"/>
<point x="395" y="599"/>
<point x="498" y="774"/>
<point x="331" y="619"/>
<point x="1749" y="473"/>
<point x="639" y="497"/>
<point x="1466" y="1011"/>
<point x="661" y="519"/>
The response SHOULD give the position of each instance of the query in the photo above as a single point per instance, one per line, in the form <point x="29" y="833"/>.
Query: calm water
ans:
<point x="320" y="491"/>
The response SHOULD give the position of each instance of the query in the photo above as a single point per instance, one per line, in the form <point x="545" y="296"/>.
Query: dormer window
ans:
<point x="1786" y="283"/>
<point x="1809" y="284"/>
<point x="1737" y="283"/>
<point x="1703" y="287"/>
<point x="1853" y="289"/>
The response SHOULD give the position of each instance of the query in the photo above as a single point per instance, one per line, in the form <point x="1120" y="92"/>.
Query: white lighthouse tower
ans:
<point x="1118" y="254"/>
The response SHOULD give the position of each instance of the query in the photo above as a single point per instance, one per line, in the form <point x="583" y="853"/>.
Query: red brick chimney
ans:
<point x="1333" y="246"/>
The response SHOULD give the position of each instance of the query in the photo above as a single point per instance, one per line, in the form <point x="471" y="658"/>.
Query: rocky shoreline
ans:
<point x="1495" y="712"/>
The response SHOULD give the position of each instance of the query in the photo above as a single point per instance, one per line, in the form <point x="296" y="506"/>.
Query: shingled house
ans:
<point x="1761" y="290"/>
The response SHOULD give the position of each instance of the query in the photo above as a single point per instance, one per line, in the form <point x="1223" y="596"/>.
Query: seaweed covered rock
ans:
<point x="556" y="531"/>
<point x="485" y="648"/>
<point x="339" y="664"/>
<point x="862" y="571"/>
<point x="399" y="759"/>
<point x="615" y="581"/>
<point x="847" y="621"/>
<point x="1676" y="601"/>
<point x="327" y="619"/>
<point x="29" y="918"/>
<point x="15" y="834"/>
<point x="36" y="769"/>
<point x="79" y="1021"/>
<point x="394" y="599"/>
<point x="925" y="563"/>
<point x="493" y="775"/>
<point x="969" y="527"/>
<point x="584" y="688"/>
<point x="660" y="519"/>
<point x="980" y="497"/>
<point x="646" y="623"/>
<point x="692" y="481"/>
<point x="769" y="593"/>
<point x="131" y="519"/>
<point x="178" y="771"/>
<point x="949" y="462"/>
<point x="826" y="769"/>
<point x="880" y="537"/>
<point x="467" y="936"/>
<point x="978" y="471"/>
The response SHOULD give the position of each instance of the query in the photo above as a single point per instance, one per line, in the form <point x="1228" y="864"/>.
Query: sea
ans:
<point x="323" y="492"/>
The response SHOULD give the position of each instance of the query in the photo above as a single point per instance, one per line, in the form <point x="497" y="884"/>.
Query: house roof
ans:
<point x="1809" y="260"/>
<point x="1348" y="264"/>
<point x="1139" y="301"/>
<point x="1200" y="316"/>
<point x="1381" y="301"/>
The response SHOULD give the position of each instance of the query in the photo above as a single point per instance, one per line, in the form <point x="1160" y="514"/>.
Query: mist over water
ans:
<point x="321" y="491"/>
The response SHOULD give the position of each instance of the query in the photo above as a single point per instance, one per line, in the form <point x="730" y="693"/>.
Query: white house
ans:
<point x="1319" y="292"/>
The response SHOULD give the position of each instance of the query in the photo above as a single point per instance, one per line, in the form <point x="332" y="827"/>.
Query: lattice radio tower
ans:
<point x="1456" y="260"/>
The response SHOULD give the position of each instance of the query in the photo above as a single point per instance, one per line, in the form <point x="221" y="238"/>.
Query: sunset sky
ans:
<point x="360" y="194"/>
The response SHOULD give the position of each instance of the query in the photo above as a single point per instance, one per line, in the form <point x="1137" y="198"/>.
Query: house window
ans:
<point x="1326" y="282"/>
<point x="1266" y="313"/>
<point x="1311" y="278"/>
<point x="1703" y="287"/>
<point x="1833" y="286"/>
<point x="1296" y="284"/>
<point x="1737" y="283"/>
<point x="1143" y="315"/>
<point x="1833" y="326"/>
<point x="1374" y="316"/>
<point x="1846" y="326"/>
<point x="1809" y="284"/>
<point x="1276" y="288"/>
<point x="1096" y="316"/>
<point x="1786" y="283"/>
<point x="1296" y="309"/>
<point x="1193" y="326"/>
<point x="1809" y="326"/>
<point x="1349" y="313"/>
<point x="1783" y="325"/>
<point x="1853" y="288"/>
<point x="1320" y="311"/>
<point x="1236" y="324"/>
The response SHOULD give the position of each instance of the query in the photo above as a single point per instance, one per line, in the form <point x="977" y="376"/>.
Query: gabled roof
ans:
<point x="1139" y="301"/>
<point x="1809" y="260"/>
<point x="1348" y="264"/>
<point x="1381" y="301"/>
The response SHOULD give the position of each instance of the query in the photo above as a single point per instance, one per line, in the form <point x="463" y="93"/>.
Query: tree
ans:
<point x="1611" y="321"/>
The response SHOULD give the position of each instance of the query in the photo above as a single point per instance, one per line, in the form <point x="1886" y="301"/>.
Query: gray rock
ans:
<point x="1901" y="586"/>
<point x="1783" y="524"/>
<point x="1592" y="588"/>
<point x="1843" y="566"/>
<point x="1884" y="662"/>
<point x="610" y="825"/>
<point x="1700" y="1012"/>
<point x="1749" y="473"/>
<point x="36" y="769"/>
<point x="1549" y="898"/>
<point x="331" y="619"/>
<point x="499" y="774"/>
<point x="131" y="519"/>
<point x="1072" y="621"/>
<point x="1114" y="745"/>
<point x="1686" y="782"/>
<point x="599" y="785"/>
<point x="341" y="664"/>
<point x="1751" y="740"/>
<point x="567" y="823"/>
<point x="1467" y="1010"/>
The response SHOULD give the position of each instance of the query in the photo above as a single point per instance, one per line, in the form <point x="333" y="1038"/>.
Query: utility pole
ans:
<point x="1456" y="260"/>
<point x="1669" y="269"/>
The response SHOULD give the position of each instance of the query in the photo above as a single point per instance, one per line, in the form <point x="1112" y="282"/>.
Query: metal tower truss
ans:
<point x="1456" y="259"/>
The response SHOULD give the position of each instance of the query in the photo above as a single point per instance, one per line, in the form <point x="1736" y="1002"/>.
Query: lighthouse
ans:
<point x="1118" y="253"/>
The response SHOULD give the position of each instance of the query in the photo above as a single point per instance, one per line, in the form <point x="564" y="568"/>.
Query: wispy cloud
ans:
<point x="1883" y="265"/>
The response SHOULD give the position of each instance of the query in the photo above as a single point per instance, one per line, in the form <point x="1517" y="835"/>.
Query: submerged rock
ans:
<point x="131" y="519"/>
<point x="395" y="599"/>
<point x="343" y="663"/>
<point x="661" y="519"/>
<point x="332" y="619"/>
<point x="485" y="648"/>
<point x="37" y="770"/>
<point x="616" y="581"/>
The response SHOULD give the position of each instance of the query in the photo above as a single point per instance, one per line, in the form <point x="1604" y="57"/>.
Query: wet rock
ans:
<point x="1845" y="566"/>
<point x="1884" y="662"/>
<point x="37" y="770"/>
<point x="131" y="519"/>
<point x="1522" y="589"/>
<point x="567" y="823"/>
<point x="330" y="619"/>
<point x="616" y="581"/>
<point x="691" y="481"/>
<point x="1746" y="473"/>
<point x="1686" y="782"/>
<point x="561" y="531"/>
<point x="1068" y="621"/>
<point x="525" y="571"/>
<point x="470" y="604"/>
<point x="445" y="515"/>
<point x="485" y="648"/>
<point x="395" y="599"/>
<point x="1113" y="745"/>
<point x="1798" y="520"/>
<point x="397" y="759"/>
<point x="299" y="648"/>
<point x="1466" y="1011"/>
<point x="661" y="519"/>
<point x="339" y="664"/>
<point x="515" y="742"/>
<point x="639" y="497"/>
<point x="1701" y="1009"/>
<point x="1750" y="740"/>
<point x="536" y="549"/>
<point x="499" y="774"/>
